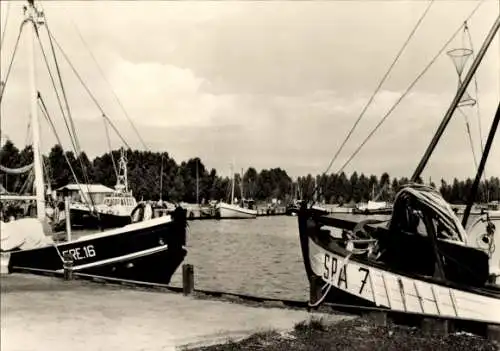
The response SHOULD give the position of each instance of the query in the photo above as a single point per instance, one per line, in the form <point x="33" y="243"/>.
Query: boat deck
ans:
<point x="46" y="313"/>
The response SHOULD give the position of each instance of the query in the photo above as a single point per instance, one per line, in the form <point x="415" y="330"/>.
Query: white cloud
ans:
<point x="274" y="83"/>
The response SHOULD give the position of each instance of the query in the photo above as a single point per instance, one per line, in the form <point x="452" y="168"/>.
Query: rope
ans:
<point x="328" y="285"/>
<point x="2" y="91"/>
<point x="88" y="90"/>
<point x="467" y="125"/>
<point x="386" y="75"/>
<point x="68" y="127"/>
<point x="73" y="136"/>
<point x="476" y="88"/>
<point x="19" y="170"/>
<point x="5" y="25"/>
<point x="45" y="113"/>
<point x="28" y="129"/>
<point x="109" y="147"/>
<point x="111" y="88"/>
<point x="410" y="87"/>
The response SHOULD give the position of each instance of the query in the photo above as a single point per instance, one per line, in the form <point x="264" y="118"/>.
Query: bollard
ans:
<point x="4" y="263"/>
<point x="68" y="266"/>
<point x="187" y="279"/>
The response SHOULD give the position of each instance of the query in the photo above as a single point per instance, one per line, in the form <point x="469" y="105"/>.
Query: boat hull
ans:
<point x="337" y="276"/>
<point x="149" y="251"/>
<point x="83" y="218"/>
<point x="228" y="211"/>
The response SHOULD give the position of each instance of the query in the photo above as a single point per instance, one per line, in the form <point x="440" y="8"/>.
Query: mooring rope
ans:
<point x="328" y="285"/>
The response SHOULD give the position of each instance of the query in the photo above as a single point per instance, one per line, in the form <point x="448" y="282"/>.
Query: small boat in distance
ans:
<point x="245" y="209"/>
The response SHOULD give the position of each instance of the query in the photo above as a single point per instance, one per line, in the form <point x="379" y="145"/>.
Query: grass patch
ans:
<point x="354" y="335"/>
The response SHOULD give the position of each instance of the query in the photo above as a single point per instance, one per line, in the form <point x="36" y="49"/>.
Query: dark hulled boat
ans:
<point x="149" y="249"/>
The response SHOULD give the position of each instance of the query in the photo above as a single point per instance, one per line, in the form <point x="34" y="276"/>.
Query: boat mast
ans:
<point x="122" y="179"/>
<point x="456" y="100"/>
<point x="33" y="17"/>
<point x="197" y="185"/>
<point x="241" y="185"/>
<point x="232" y="184"/>
<point x="161" y="179"/>
<point x="475" y="185"/>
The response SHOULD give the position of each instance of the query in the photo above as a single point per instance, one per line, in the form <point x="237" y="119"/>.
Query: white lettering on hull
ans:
<point x="80" y="253"/>
<point x="399" y="292"/>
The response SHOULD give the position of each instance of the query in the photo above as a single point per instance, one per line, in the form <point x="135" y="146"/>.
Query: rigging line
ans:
<point x="410" y="87"/>
<point x="70" y="127"/>
<point x="382" y="81"/>
<point x="476" y="88"/>
<point x="2" y="90"/>
<point x="111" y="87"/>
<point x="61" y="82"/>
<point x="63" y="90"/>
<point x="45" y="113"/>
<point x="5" y="25"/>
<point x="88" y="90"/>
<point x="28" y="129"/>
<point x="109" y="147"/>
<point x="467" y="124"/>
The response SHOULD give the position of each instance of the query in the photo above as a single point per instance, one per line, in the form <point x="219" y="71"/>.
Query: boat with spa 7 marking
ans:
<point x="149" y="249"/>
<point x="423" y="259"/>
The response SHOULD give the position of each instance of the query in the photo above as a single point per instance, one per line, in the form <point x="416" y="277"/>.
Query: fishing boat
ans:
<point x="245" y="209"/>
<point x="420" y="260"/>
<point x="116" y="208"/>
<point x="149" y="249"/>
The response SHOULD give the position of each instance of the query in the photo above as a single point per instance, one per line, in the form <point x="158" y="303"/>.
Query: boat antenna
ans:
<point x="484" y="157"/>
<point x="458" y="97"/>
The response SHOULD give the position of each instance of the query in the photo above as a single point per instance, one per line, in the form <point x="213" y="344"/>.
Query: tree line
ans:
<point x="155" y="175"/>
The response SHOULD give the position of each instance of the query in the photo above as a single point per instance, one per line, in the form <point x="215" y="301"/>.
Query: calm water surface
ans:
<point x="250" y="256"/>
<point x="259" y="257"/>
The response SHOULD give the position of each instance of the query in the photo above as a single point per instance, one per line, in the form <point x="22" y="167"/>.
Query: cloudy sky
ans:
<point x="264" y="83"/>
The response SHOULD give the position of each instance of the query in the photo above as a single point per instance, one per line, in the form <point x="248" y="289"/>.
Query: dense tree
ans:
<point x="153" y="175"/>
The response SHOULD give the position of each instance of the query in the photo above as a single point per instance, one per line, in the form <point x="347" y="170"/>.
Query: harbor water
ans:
<point x="259" y="257"/>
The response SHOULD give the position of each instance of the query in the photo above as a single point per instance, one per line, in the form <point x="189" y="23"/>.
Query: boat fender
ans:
<point x="148" y="212"/>
<point x="137" y="214"/>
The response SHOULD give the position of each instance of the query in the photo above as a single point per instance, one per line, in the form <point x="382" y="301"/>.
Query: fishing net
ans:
<point x="460" y="57"/>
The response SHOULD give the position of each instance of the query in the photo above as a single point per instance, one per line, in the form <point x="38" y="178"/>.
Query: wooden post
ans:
<point x="4" y="263"/>
<point x="67" y="218"/>
<point x="187" y="279"/>
<point x="68" y="266"/>
<point x="493" y="332"/>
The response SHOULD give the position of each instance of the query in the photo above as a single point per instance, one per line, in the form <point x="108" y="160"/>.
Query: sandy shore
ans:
<point x="44" y="313"/>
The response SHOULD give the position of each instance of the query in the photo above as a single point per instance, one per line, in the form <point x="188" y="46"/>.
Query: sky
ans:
<point x="262" y="83"/>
